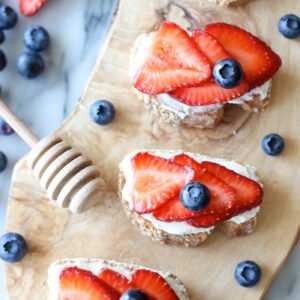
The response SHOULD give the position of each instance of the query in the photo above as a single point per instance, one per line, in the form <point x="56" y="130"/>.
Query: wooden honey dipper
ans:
<point x="70" y="179"/>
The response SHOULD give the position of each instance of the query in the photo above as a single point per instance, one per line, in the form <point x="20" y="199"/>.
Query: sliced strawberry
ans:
<point x="116" y="280"/>
<point x="208" y="45"/>
<point x="248" y="192"/>
<point x="186" y="160"/>
<point x="172" y="61"/>
<point x="78" y="284"/>
<point x="208" y="221"/>
<point x="156" y="180"/>
<point x="222" y="195"/>
<point x="209" y="93"/>
<point x="154" y="285"/>
<point x="258" y="60"/>
<point x="31" y="7"/>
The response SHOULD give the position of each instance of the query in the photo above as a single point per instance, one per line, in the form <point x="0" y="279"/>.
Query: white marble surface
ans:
<point x="77" y="29"/>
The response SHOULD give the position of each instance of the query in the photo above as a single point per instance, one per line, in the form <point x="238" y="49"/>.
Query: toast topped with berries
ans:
<point x="91" y="279"/>
<point x="181" y="198"/>
<point x="188" y="77"/>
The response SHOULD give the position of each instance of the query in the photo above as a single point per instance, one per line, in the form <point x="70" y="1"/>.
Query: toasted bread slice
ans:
<point x="177" y="113"/>
<point x="237" y="226"/>
<point x="95" y="266"/>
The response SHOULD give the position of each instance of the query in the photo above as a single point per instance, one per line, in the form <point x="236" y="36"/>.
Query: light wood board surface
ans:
<point x="207" y="271"/>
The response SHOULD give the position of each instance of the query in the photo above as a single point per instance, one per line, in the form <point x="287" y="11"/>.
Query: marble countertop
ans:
<point x="77" y="32"/>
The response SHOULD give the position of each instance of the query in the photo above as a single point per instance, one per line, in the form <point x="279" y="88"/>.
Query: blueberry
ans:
<point x="247" y="273"/>
<point x="134" y="294"/>
<point x="2" y="36"/>
<point x="3" y="162"/>
<point x="273" y="144"/>
<point x="195" y="196"/>
<point x="3" y="61"/>
<point x="30" y="65"/>
<point x="8" y="17"/>
<point x="102" y="112"/>
<point x="289" y="26"/>
<point x="36" y="38"/>
<point x="13" y="247"/>
<point x="5" y="129"/>
<point x="228" y="73"/>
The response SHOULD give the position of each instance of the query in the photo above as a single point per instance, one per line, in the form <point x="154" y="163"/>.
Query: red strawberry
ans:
<point x="172" y="61"/>
<point x="208" y="221"/>
<point x="116" y="280"/>
<point x="258" y="60"/>
<point x="154" y="285"/>
<point x="248" y="192"/>
<point x="31" y="7"/>
<point x="209" y="92"/>
<point x="222" y="195"/>
<point x="185" y="160"/>
<point x="78" y="284"/>
<point x="156" y="181"/>
<point x="208" y="45"/>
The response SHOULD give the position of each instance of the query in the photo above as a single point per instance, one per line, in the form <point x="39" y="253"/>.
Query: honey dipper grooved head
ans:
<point x="69" y="178"/>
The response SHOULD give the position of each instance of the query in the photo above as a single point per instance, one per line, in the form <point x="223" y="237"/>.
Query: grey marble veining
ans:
<point x="77" y="29"/>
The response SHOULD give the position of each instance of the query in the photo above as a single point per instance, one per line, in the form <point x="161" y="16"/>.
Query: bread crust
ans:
<point x="202" y="120"/>
<point x="257" y="103"/>
<point x="230" y="228"/>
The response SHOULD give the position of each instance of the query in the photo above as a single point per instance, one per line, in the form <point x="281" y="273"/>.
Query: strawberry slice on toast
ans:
<point x="116" y="280"/>
<point x="172" y="61"/>
<point x="209" y="92"/>
<point x="207" y="221"/>
<point x="248" y="192"/>
<point x="209" y="46"/>
<point x="79" y="284"/>
<point x="222" y="199"/>
<point x="258" y="60"/>
<point x="156" y="181"/>
<point x="154" y="285"/>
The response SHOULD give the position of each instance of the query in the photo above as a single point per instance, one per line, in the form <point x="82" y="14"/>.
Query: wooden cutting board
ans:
<point x="207" y="271"/>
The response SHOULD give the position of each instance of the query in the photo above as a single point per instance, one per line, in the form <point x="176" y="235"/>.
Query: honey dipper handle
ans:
<point x="17" y="125"/>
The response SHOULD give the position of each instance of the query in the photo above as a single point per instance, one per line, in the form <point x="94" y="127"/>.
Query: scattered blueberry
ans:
<point x="247" y="273"/>
<point x="134" y="294"/>
<point x="3" y="162"/>
<point x="8" y="17"/>
<point x="273" y="144"/>
<point x="36" y="38"/>
<point x="3" y="61"/>
<point x="102" y="112"/>
<point x="2" y="36"/>
<point x="289" y="26"/>
<point x="195" y="196"/>
<point x="30" y="65"/>
<point x="228" y="73"/>
<point x="5" y="129"/>
<point x="13" y="247"/>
